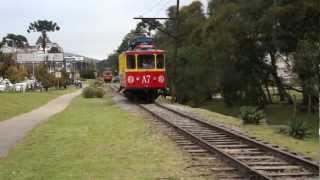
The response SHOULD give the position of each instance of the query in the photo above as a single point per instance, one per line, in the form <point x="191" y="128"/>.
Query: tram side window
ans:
<point x="131" y="62"/>
<point x="160" y="61"/>
<point x="146" y="62"/>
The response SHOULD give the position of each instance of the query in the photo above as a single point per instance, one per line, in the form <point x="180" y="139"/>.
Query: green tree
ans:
<point x="298" y="34"/>
<point x="306" y="64"/>
<point x="110" y="63"/>
<point x="139" y="30"/>
<point x="64" y="81"/>
<point x="16" y="74"/>
<point x="43" y="26"/>
<point x="42" y="74"/>
<point x="6" y="61"/>
<point x="17" y="40"/>
<point x="194" y="81"/>
<point x="234" y="50"/>
<point x="190" y="59"/>
<point x="11" y="70"/>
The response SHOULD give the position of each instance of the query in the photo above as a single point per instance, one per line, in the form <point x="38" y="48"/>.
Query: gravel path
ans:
<point x="14" y="129"/>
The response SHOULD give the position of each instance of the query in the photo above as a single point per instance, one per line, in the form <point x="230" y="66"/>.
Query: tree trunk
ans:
<point x="44" y="43"/>
<point x="304" y="95"/>
<point x="281" y="90"/>
<point x="263" y="98"/>
<point x="268" y="91"/>
<point x="309" y="104"/>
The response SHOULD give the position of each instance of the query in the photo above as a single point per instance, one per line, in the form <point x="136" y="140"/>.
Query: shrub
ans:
<point x="297" y="129"/>
<point x="99" y="92"/>
<point x="92" y="92"/>
<point x="250" y="115"/>
<point x="89" y="92"/>
<point x="98" y="83"/>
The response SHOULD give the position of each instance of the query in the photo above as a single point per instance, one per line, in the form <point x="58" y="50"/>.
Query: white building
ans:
<point x="72" y="61"/>
<point x="33" y="55"/>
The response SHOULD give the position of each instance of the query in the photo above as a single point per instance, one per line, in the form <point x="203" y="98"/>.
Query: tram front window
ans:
<point x="146" y="62"/>
<point x="160" y="61"/>
<point x="131" y="62"/>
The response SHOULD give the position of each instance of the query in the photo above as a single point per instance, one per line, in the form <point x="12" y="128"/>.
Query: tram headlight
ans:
<point x="161" y="79"/>
<point x="130" y="79"/>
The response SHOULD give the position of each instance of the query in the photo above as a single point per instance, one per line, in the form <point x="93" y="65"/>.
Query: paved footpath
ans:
<point x="14" y="129"/>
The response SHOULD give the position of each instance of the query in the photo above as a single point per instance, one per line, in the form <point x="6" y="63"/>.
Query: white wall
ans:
<point x="39" y="57"/>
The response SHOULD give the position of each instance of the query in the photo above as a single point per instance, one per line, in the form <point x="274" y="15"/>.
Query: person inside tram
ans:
<point x="148" y="63"/>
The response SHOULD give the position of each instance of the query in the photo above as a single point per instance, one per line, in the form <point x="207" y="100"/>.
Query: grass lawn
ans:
<point x="93" y="139"/>
<point x="309" y="146"/>
<point x="276" y="114"/>
<point x="12" y="104"/>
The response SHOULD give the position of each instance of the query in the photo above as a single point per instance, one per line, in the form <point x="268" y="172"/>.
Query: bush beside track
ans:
<point x="95" y="90"/>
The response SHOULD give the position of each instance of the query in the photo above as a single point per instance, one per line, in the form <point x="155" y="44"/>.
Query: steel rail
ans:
<point x="243" y="168"/>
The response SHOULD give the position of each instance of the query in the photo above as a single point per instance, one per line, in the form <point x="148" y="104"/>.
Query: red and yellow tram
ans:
<point x="142" y="70"/>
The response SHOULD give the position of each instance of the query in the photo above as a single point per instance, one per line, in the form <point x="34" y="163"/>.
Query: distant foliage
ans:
<point x="16" y="40"/>
<point x="45" y="78"/>
<point x="250" y="115"/>
<point x="11" y="70"/>
<point x="110" y="63"/>
<point x="298" y="129"/>
<point x="16" y="74"/>
<point x="89" y="72"/>
<point x="64" y="81"/>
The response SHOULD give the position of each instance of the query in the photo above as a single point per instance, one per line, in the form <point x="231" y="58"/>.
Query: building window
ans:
<point x="131" y="62"/>
<point x="146" y="62"/>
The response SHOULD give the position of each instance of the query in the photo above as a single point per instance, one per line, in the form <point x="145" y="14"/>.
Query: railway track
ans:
<point x="202" y="163"/>
<point x="246" y="156"/>
<point x="252" y="158"/>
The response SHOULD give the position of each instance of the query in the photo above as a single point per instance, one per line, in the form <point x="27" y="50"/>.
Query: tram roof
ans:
<point x="152" y="51"/>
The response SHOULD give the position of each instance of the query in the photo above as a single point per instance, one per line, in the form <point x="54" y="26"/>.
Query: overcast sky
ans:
<point x="92" y="28"/>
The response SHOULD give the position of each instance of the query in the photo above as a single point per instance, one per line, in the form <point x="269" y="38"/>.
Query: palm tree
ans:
<point x="43" y="26"/>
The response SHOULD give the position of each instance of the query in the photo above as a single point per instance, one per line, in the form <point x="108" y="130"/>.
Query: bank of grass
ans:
<point x="93" y="139"/>
<point x="13" y="104"/>
<point x="276" y="114"/>
<point x="309" y="146"/>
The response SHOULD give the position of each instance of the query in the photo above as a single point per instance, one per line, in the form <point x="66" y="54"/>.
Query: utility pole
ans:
<point x="175" y="36"/>
<point x="174" y="62"/>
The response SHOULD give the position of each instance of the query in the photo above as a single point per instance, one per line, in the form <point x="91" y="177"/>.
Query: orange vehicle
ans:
<point x="107" y="76"/>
